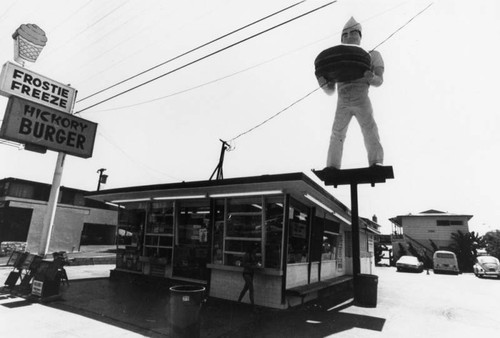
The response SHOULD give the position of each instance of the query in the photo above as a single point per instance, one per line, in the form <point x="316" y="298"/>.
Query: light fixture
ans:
<point x="318" y="203"/>
<point x="185" y="197"/>
<point x="132" y="200"/>
<point x="115" y="205"/>
<point x="251" y="193"/>
<point x="336" y="214"/>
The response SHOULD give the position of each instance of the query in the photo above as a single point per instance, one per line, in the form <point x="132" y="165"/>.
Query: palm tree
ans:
<point x="465" y="246"/>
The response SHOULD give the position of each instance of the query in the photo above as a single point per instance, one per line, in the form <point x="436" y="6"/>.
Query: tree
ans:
<point x="465" y="246"/>
<point x="492" y="243"/>
<point x="434" y="245"/>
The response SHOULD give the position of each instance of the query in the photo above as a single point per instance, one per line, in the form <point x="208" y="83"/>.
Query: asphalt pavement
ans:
<point x="409" y="305"/>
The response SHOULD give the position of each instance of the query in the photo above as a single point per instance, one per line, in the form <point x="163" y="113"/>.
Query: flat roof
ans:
<point x="296" y="184"/>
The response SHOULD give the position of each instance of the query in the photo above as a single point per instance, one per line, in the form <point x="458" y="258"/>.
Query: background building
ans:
<point x="78" y="220"/>
<point x="420" y="229"/>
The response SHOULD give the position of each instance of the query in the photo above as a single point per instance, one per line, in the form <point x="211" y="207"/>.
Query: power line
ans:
<point x="400" y="28"/>
<point x="208" y="55"/>
<point x="189" y="51"/>
<point x="242" y="70"/>
<point x="275" y="115"/>
<point x="132" y="159"/>
<point x="308" y="94"/>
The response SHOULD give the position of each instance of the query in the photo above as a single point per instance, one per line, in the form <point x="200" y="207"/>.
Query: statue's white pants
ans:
<point x="354" y="101"/>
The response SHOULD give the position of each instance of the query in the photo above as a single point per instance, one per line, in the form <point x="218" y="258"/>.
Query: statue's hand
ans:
<point x="369" y="76"/>
<point x="327" y="86"/>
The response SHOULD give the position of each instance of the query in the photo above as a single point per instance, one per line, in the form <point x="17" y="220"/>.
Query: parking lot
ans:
<point x="409" y="305"/>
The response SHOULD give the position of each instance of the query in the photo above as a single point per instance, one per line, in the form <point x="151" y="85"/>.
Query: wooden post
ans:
<point x="48" y="221"/>
<point x="356" y="259"/>
<point x="353" y="177"/>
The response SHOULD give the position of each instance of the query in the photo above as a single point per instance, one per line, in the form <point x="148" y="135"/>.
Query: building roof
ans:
<point x="296" y="184"/>
<point x="370" y="225"/>
<point x="398" y="220"/>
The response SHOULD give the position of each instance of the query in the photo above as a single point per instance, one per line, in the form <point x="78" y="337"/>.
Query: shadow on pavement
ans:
<point x="314" y="319"/>
<point x="142" y="306"/>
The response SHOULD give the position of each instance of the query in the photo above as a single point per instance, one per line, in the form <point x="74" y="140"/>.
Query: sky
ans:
<point x="436" y="112"/>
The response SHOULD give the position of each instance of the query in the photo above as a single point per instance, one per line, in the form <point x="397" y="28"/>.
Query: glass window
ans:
<point x="330" y="247"/>
<point x="243" y="222"/>
<point x="443" y="222"/>
<point x="274" y="231"/>
<point x="244" y="218"/>
<point x="131" y="222"/>
<point x="243" y="228"/>
<point x="161" y="218"/>
<point x="192" y="253"/>
<point x="298" y="233"/>
<point x="218" y="240"/>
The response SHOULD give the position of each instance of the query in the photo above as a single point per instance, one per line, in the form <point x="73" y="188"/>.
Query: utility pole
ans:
<point x="102" y="178"/>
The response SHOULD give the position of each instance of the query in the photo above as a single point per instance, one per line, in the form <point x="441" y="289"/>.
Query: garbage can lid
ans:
<point x="187" y="288"/>
<point x="367" y="276"/>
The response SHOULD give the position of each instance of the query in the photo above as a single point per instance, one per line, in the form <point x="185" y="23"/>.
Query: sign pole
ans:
<point x="48" y="221"/>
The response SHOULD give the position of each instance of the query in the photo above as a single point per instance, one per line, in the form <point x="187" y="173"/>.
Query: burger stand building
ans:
<point x="197" y="232"/>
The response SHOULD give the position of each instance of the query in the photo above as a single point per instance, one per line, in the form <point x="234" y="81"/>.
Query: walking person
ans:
<point x="249" y="263"/>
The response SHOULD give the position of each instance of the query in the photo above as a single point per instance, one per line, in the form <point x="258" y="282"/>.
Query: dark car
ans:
<point x="487" y="266"/>
<point x="409" y="263"/>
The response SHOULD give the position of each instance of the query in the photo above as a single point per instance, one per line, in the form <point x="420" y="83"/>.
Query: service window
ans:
<point x="298" y="234"/>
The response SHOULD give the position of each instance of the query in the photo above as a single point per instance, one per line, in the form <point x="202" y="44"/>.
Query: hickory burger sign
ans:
<point x="31" y="123"/>
<point x="25" y="84"/>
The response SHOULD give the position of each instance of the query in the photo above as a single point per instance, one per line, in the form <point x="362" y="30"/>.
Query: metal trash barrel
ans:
<point x="365" y="290"/>
<point x="185" y="306"/>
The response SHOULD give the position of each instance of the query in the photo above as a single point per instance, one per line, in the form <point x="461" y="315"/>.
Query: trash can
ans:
<point x="185" y="306"/>
<point x="365" y="290"/>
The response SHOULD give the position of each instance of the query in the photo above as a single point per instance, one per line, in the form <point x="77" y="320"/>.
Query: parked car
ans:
<point x="409" y="263"/>
<point x="445" y="262"/>
<point x="487" y="266"/>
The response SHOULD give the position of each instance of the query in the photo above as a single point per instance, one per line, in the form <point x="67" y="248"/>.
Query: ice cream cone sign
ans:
<point x="29" y="40"/>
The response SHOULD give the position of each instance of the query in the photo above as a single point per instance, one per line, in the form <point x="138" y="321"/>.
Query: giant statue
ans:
<point x="351" y="71"/>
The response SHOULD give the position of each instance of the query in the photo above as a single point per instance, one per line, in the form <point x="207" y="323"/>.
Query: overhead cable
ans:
<point x="240" y="71"/>
<point x="400" y="28"/>
<point x="208" y="55"/>
<point x="275" y="115"/>
<point x="308" y="94"/>
<point x="189" y="51"/>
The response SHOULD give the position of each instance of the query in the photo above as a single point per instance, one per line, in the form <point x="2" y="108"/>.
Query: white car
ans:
<point x="409" y="263"/>
<point x="487" y="266"/>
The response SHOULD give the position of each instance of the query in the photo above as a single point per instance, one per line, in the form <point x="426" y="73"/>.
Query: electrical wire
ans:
<point x="206" y="56"/>
<point x="243" y="70"/>
<point x="190" y="51"/>
<point x="308" y="94"/>
<point x="89" y="26"/>
<point x="275" y="115"/>
<point x="139" y="163"/>
<point x="400" y="28"/>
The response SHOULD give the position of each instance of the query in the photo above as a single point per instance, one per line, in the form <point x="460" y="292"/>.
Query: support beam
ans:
<point x="353" y="177"/>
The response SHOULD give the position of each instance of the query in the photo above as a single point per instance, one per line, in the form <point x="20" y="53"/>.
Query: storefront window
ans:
<point x="298" y="233"/>
<point x="218" y="239"/>
<point x="161" y="218"/>
<point x="274" y="231"/>
<point x="131" y="221"/>
<point x="330" y="247"/>
<point x="243" y="228"/>
<point x="244" y="218"/>
<point x="191" y="252"/>
<point x="243" y="222"/>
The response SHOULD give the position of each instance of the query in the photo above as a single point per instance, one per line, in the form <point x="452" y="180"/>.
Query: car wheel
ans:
<point x="398" y="269"/>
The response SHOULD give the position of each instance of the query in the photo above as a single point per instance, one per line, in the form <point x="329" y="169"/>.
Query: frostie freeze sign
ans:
<point x="23" y="83"/>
